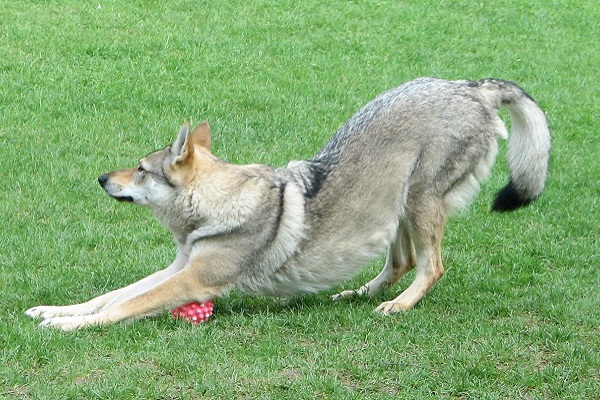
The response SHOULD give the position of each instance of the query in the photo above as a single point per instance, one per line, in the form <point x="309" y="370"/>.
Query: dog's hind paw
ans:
<point x="391" y="307"/>
<point x="363" y="290"/>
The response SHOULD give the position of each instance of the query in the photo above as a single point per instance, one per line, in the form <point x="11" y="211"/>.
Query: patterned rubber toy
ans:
<point x="195" y="312"/>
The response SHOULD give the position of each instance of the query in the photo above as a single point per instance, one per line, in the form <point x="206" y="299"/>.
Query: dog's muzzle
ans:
<point x="103" y="181"/>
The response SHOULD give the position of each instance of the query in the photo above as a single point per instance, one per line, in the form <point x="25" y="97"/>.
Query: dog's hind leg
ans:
<point x="400" y="260"/>
<point x="427" y="226"/>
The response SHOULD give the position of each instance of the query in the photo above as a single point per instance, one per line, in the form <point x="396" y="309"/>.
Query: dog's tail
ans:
<point x="528" y="147"/>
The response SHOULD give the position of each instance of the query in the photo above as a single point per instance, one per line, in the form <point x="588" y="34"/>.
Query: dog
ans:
<point x="386" y="181"/>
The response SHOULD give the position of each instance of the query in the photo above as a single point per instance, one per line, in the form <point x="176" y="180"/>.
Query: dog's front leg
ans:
<point x="139" y="287"/>
<point x="106" y="300"/>
<point x="86" y="308"/>
<point x="183" y="287"/>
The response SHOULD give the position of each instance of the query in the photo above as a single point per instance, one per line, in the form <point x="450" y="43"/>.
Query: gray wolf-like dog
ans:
<point x="386" y="181"/>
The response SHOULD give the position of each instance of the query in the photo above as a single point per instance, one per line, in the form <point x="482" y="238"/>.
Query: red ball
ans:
<point x="194" y="312"/>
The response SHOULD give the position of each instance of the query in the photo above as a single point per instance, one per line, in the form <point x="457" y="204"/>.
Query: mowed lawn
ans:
<point x="88" y="87"/>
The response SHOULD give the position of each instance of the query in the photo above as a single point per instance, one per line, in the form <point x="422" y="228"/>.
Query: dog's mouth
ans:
<point x="123" y="199"/>
<point x="111" y="188"/>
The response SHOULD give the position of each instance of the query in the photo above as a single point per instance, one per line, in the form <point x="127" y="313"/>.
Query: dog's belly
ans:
<point x="322" y="263"/>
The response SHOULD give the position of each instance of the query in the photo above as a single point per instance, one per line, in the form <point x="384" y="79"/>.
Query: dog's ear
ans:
<point x="178" y="147"/>
<point x="200" y="135"/>
<point x="183" y="147"/>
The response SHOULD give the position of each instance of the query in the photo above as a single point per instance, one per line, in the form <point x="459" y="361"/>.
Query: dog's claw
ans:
<point x="32" y="313"/>
<point x="391" y="307"/>
<point x="44" y="312"/>
<point x="38" y="312"/>
<point x="363" y="290"/>
<point x="341" y="295"/>
<point x="64" y="323"/>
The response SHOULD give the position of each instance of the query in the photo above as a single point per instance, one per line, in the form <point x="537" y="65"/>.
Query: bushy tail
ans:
<point x="528" y="148"/>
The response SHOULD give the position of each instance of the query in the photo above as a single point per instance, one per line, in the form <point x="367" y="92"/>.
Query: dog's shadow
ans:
<point x="244" y="304"/>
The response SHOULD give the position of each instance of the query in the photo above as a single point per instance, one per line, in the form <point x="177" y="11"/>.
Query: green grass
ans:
<point x="87" y="89"/>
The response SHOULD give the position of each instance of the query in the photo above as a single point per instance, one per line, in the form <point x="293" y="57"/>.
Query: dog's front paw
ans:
<point x="391" y="307"/>
<point x="65" y="323"/>
<point x="43" y="312"/>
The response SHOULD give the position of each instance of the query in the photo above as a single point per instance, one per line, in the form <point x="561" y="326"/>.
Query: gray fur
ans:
<point x="386" y="182"/>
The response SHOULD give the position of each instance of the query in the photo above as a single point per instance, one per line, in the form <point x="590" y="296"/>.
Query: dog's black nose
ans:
<point x="102" y="179"/>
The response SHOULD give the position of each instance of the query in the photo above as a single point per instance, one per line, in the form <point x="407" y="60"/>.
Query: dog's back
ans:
<point x="444" y="130"/>
<point x="404" y="162"/>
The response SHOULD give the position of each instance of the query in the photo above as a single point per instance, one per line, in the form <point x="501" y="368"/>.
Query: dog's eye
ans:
<point x="141" y="169"/>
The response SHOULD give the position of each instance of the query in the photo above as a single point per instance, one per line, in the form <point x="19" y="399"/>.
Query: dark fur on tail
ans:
<point x="528" y="147"/>
<point x="509" y="198"/>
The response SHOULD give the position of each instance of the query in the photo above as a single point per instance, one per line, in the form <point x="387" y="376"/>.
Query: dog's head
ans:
<point x="162" y="175"/>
